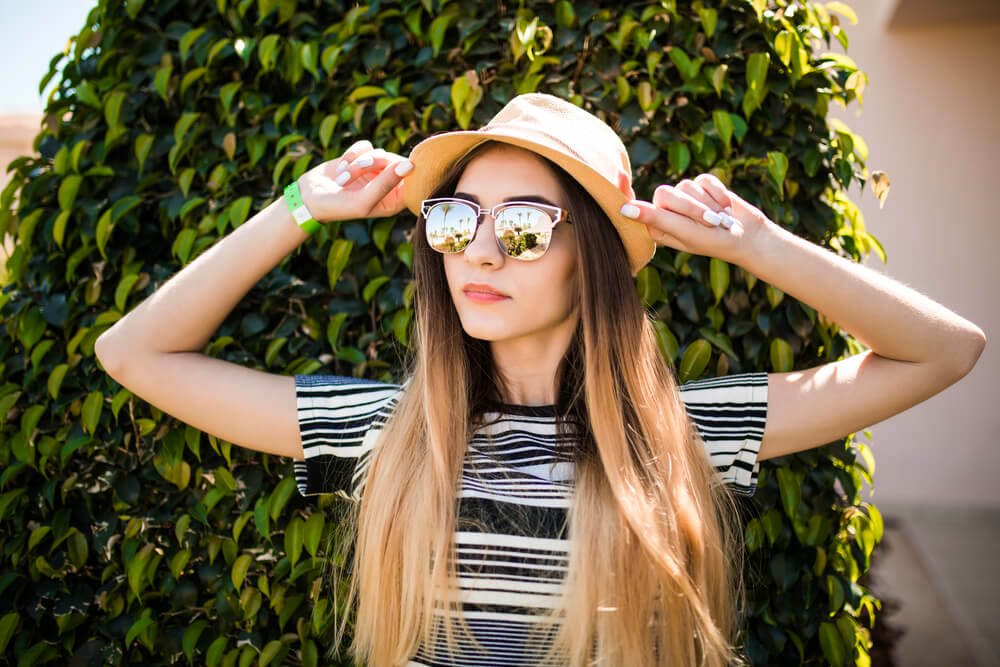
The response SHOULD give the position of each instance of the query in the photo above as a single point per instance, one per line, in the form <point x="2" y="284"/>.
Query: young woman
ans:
<point x="579" y="497"/>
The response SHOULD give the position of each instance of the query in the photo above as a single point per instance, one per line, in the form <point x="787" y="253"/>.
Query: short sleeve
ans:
<point x="729" y="413"/>
<point x="340" y="419"/>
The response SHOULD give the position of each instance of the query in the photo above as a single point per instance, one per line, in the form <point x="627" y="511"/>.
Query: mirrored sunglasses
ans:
<point x="523" y="229"/>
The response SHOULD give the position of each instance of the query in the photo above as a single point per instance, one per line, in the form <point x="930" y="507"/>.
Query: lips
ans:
<point x="482" y="288"/>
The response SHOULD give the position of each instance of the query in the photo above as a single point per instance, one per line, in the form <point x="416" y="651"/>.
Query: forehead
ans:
<point x="504" y="170"/>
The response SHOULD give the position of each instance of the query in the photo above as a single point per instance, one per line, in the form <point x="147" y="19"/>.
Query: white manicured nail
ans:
<point x="729" y="210"/>
<point x="712" y="218"/>
<point x="403" y="168"/>
<point x="342" y="166"/>
<point x="727" y="220"/>
<point x="343" y="178"/>
<point x="630" y="211"/>
<point x="366" y="161"/>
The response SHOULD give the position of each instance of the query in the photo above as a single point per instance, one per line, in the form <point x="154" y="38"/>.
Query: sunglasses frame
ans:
<point x="560" y="214"/>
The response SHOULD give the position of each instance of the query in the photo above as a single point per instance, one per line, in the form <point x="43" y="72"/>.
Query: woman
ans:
<point x="539" y="441"/>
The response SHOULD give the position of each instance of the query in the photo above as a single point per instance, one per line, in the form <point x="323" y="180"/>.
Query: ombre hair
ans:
<point x="653" y="575"/>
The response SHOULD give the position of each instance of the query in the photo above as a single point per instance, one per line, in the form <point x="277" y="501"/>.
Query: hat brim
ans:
<point x="435" y="154"/>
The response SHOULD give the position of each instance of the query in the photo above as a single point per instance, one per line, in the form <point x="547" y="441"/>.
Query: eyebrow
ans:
<point x="534" y="198"/>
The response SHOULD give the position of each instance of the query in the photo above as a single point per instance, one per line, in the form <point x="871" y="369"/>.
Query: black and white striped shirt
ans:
<point x="516" y="487"/>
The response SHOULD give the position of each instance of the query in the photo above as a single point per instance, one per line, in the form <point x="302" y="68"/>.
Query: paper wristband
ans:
<point x="298" y="208"/>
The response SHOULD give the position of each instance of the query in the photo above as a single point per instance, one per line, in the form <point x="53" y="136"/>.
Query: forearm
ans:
<point x="893" y="320"/>
<point x="185" y="312"/>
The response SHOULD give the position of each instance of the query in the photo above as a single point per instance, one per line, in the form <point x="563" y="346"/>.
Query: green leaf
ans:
<point x="162" y="80"/>
<point x="364" y="92"/>
<point x="401" y="323"/>
<point x="279" y="497"/>
<point x="85" y="93"/>
<point x="835" y="594"/>
<point x="723" y="125"/>
<point x="293" y="539"/>
<point x="267" y="50"/>
<point x="272" y="350"/>
<point x="123" y="290"/>
<point x="666" y="341"/>
<point x="649" y="286"/>
<point x="91" y="414"/>
<point x="326" y="129"/>
<point x="680" y="157"/>
<point x="774" y="296"/>
<point x="239" y="571"/>
<point x="8" y="625"/>
<point x="227" y="93"/>
<point x="783" y="43"/>
<point x="313" y="531"/>
<point x="143" y="143"/>
<point x="777" y="165"/>
<point x="781" y="356"/>
<point x="718" y="278"/>
<point x="67" y="191"/>
<point x="372" y="287"/>
<point x="184" y="124"/>
<point x="189" y="640"/>
<point x="141" y="624"/>
<point x="790" y="489"/>
<point x="437" y="30"/>
<point x="135" y="569"/>
<point x="336" y="260"/>
<point x="708" y="17"/>
<point x="239" y="210"/>
<point x="756" y="77"/>
<point x="270" y="652"/>
<point x="113" y="107"/>
<point x="695" y="360"/>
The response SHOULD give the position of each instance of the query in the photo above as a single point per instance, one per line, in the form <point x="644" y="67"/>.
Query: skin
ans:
<point x="530" y="331"/>
<point x="917" y="347"/>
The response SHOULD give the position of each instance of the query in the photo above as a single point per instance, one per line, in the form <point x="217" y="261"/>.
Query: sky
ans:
<point x="31" y="32"/>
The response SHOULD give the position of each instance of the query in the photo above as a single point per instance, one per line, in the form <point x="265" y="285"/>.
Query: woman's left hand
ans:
<point x="682" y="217"/>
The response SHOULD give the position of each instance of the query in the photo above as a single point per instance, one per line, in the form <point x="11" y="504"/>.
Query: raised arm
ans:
<point x="917" y="346"/>
<point x="155" y="350"/>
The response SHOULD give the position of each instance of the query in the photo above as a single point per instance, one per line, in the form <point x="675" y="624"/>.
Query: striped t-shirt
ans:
<point x="516" y="486"/>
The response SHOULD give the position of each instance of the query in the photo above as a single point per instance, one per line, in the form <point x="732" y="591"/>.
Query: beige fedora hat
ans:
<point x="576" y="140"/>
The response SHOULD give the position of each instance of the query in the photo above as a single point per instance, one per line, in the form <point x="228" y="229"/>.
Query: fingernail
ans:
<point x="729" y="210"/>
<point x="630" y="211"/>
<point x="342" y="166"/>
<point x="366" y="161"/>
<point x="727" y="221"/>
<point x="343" y="178"/>
<point x="712" y="218"/>
<point x="403" y="168"/>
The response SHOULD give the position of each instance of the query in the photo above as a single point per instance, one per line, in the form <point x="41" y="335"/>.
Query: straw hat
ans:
<point x="576" y="140"/>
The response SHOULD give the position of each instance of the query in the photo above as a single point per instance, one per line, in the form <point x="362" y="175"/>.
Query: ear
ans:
<point x="625" y="184"/>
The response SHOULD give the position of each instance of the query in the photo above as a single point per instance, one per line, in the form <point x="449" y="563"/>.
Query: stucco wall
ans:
<point x="930" y="120"/>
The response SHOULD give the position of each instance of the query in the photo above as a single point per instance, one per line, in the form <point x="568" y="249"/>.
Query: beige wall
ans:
<point x="930" y="118"/>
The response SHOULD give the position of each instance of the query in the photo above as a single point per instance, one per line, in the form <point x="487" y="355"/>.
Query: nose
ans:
<point x="483" y="249"/>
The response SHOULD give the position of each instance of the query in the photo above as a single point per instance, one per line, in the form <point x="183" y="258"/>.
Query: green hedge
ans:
<point x="127" y="536"/>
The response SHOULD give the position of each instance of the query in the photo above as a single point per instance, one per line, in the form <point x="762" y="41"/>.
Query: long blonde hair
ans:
<point x="652" y="576"/>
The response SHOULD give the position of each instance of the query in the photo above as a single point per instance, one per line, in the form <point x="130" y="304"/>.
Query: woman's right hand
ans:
<point x="373" y="188"/>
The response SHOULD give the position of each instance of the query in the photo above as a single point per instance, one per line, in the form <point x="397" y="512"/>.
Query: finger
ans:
<point x="675" y="229"/>
<point x="387" y="180"/>
<point x="372" y="161"/>
<point x="352" y="153"/>
<point x="694" y="190"/>
<point x="717" y="190"/>
<point x="684" y="204"/>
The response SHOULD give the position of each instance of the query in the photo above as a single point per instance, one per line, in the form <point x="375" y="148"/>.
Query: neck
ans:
<point x="529" y="365"/>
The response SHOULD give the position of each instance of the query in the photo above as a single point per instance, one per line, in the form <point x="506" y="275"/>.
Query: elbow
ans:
<point x="967" y="350"/>
<point x="104" y="350"/>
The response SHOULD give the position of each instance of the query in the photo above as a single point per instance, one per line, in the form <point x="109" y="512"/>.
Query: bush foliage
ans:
<point x="130" y="537"/>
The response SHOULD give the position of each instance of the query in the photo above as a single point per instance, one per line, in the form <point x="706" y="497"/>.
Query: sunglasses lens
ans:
<point x="524" y="231"/>
<point x="450" y="226"/>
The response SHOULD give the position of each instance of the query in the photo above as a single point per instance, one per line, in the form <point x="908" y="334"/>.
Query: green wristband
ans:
<point x="298" y="208"/>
